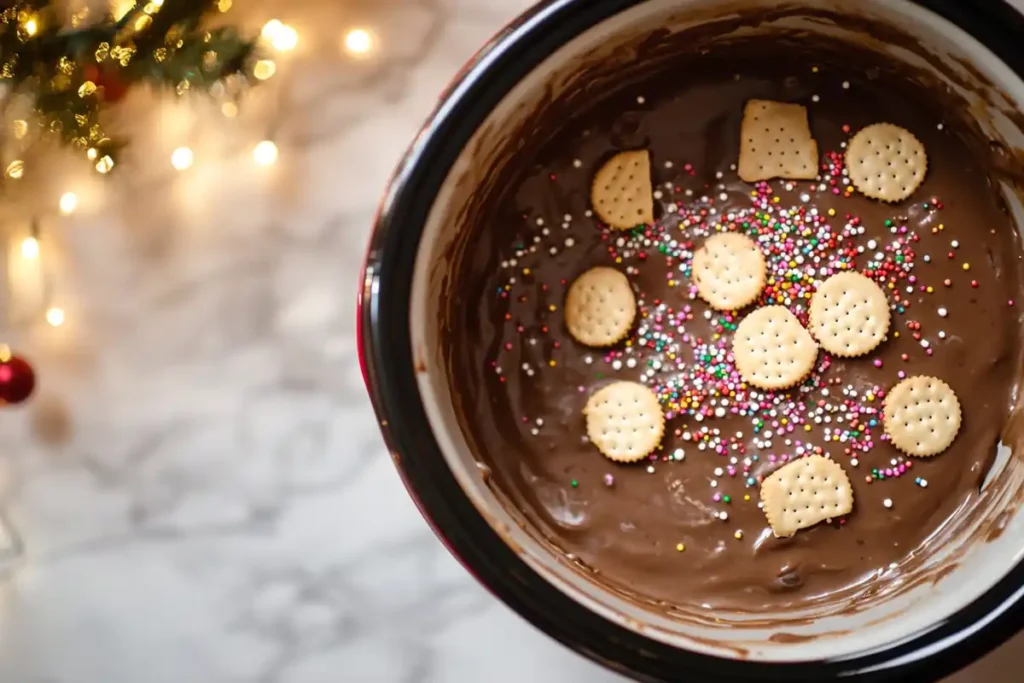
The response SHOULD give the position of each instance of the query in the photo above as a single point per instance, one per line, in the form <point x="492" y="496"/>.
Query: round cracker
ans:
<point x="886" y="162"/>
<point x="772" y="350"/>
<point x="805" y="492"/>
<point x="921" y="416"/>
<point x="621" y="191"/>
<point x="849" y="315"/>
<point x="729" y="271"/>
<point x="600" y="307"/>
<point x="624" y="421"/>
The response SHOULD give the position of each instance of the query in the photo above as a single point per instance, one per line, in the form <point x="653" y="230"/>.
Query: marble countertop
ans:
<point x="198" y="491"/>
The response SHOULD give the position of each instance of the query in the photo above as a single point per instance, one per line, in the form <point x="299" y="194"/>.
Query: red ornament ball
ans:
<point x="17" y="380"/>
<point x="113" y="89"/>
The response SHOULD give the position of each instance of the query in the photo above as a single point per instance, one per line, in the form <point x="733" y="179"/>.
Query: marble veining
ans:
<point x="198" y="492"/>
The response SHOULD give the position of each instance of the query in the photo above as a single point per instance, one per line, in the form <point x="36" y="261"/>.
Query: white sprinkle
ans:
<point x="723" y="515"/>
<point x="954" y="244"/>
<point x="942" y="335"/>
<point x="719" y="471"/>
<point x="640" y="100"/>
<point x="540" y="421"/>
<point x="723" y="196"/>
<point x="927" y="258"/>
<point x="631" y="363"/>
<point x="854" y="462"/>
<point x="887" y="502"/>
<point x="658" y="194"/>
<point x="535" y="431"/>
<point x="650" y="469"/>
<point x="616" y="364"/>
<point x="941" y="126"/>
<point x="815" y="98"/>
<point x="577" y="163"/>
<point x="872" y="244"/>
<point x="943" y="312"/>
<point x="924" y="343"/>
<point x="540" y="221"/>
<point x="588" y="360"/>
<point x="669" y="164"/>
<point x="588" y="213"/>
<point x="718" y="174"/>
<point x="846" y="85"/>
<point x="569" y="241"/>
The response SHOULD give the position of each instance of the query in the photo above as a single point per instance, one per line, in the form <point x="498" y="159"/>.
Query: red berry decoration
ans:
<point x="17" y="379"/>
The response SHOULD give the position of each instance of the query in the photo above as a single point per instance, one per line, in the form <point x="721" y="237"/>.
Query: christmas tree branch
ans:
<point x="73" y="73"/>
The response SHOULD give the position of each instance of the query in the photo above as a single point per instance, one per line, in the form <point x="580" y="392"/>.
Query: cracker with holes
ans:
<point x="849" y="315"/>
<point x="776" y="142"/>
<point x="600" y="307"/>
<point x="921" y="416"/>
<point x="621" y="192"/>
<point x="805" y="492"/>
<point x="729" y="271"/>
<point x="886" y="162"/>
<point x="624" y="421"/>
<point x="772" y="350"/>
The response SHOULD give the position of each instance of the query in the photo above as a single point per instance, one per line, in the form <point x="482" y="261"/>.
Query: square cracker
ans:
<point x="776" y="142"/>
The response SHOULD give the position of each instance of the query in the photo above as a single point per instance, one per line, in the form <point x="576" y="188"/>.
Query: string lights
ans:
<point x="265" y="153"/>
<point x="281" y="36"/>
<point x="358" y="42"/>
<point x="182" y="158"/>
<point x="32" y="288"/>
<point x="68" y="203"/>
<point x="55" y="316"/>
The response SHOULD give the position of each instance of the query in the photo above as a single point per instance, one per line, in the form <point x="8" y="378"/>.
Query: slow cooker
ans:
<point x="975" y="48"/>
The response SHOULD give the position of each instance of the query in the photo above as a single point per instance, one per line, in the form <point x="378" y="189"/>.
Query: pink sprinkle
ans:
<point x="901" y="374"/>
<point x="878" y="362"/>
<point x="609" y="480"/>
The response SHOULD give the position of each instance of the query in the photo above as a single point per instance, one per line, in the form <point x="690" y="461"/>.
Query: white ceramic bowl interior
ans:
<point x="979" y="565"/>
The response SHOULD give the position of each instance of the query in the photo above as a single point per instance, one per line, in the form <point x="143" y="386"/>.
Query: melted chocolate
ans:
<point x="522" y="380"/>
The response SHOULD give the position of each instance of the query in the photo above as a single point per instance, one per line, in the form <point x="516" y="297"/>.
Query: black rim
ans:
<point x="383" y="328"/>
